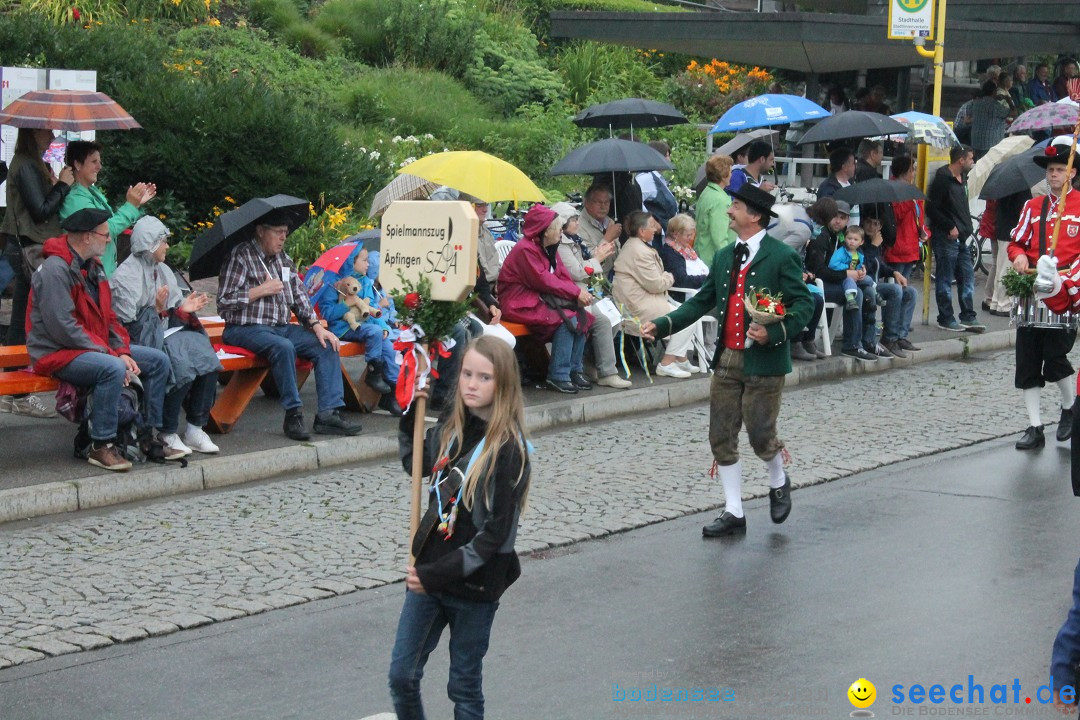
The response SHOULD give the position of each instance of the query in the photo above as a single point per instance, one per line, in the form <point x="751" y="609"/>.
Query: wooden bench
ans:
<point x="244" y="377"/>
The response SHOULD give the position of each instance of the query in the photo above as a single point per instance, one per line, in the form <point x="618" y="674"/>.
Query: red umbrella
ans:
<point x="329" y="262"/>
<point x="70" y="110"/>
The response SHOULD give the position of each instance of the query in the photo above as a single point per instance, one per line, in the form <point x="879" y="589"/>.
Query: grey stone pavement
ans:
<point x="76" y="582"/>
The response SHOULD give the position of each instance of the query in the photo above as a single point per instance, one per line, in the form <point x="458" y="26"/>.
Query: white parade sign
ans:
<point x="433" y="238"/>
<point x="911" y="19"/>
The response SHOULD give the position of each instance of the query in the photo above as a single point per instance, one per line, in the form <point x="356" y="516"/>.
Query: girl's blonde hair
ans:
<point x="506" y="423"/>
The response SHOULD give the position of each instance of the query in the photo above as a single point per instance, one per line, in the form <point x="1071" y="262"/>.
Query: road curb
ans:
<point x="113" y="489"/>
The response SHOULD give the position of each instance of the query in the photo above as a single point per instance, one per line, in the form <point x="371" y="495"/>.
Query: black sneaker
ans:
<point x="563" y="386"/>
<point x="1064" y="428"/>
<point x="374" y="378"/>
<point x="390" y="404"/>
<point x="859" y="354"/>
<point x="294" y="426"/>
<point x="907" y="345"/>
<point x="972" y="327"/>
<point x="726" y="524"/>
<point x="579" y="381"/>
<point x="333" y="424"/>
<point x="1032" y="438"/>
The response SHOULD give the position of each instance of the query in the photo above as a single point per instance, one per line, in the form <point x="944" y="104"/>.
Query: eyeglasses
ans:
<point x="100" y="234"/>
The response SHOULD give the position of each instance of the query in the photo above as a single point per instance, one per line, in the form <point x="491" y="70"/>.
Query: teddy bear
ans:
<point x="359" y="308"/>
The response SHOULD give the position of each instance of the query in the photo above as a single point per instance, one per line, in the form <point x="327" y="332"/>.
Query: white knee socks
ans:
<point x="731" y="479"/>
<point x="1067" y="388"/>
<point x="776" y="470"/>
<point x="1031" y="402"/>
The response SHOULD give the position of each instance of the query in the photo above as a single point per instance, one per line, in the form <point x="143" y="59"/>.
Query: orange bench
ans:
<point x="245" y="376"/>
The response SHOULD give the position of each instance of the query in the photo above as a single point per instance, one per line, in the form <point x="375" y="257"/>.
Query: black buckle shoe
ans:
<point x="1033" y="438"/>
<point x="390" y="404"/>
<point x="334" y="424"/>
<point x="579" y="381"/>
<point x="726" y="524"/>
<point x="780" y="501"/>
<point x="562" y="386"/>
<point x="1064" y="428"/>
<point x="294" y="426"/>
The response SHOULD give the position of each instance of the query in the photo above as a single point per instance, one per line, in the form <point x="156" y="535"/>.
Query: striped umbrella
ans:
<point x="70" y="110"/>
<point x="402" y="187"/>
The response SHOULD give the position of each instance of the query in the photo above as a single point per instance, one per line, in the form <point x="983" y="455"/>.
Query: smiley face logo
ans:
<point x="862" y="693"/>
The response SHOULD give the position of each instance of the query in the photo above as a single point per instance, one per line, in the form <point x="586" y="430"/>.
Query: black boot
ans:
<point x="1064" y="428"/>
<point x="1033" y="438"/>
<point x="390" y="404"/>
<point x="374" y="377"/>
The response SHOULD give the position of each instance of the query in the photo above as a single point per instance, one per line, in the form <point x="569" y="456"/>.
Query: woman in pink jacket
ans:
<point x="536" y="290"/>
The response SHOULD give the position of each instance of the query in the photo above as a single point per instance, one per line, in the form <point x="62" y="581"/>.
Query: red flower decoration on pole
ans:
<point x="412" y="301"/>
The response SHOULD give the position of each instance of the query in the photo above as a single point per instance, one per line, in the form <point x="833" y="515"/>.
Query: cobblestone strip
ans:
<point x="87" y="582"/>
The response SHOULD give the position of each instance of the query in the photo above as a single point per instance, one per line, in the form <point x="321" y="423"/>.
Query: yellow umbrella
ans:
<point x="481" y="175"/>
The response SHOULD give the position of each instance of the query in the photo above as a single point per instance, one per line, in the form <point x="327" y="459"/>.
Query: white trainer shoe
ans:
<point x="672" y="370"/>
<point x="197" y="439"/>
<point x="173" y="442"/>
<point x="688" y="366"/>
<point x="614" y="381"/>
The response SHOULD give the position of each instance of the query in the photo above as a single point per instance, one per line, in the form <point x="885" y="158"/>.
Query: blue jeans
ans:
<point x="905" y="268"/>
<point x="422" y="620"/>
<point x="105" y="374"/>
<point x="376" y="347"/>
<point x="6" y="272"/>
<point x="898" y="311"/>
<point x="953" y="263"/>
<point x="567" y="352"/>
<point x="200" y="393"/>
<point x="867" y="285"/>
<point x="281" y="345"/>
<point x="859" y="324"/>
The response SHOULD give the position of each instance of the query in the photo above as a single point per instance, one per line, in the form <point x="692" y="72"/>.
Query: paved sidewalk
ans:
<point x="91" y="580"/>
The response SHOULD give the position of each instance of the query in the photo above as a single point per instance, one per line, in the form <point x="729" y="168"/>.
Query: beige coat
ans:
<point x="641" y="284"/>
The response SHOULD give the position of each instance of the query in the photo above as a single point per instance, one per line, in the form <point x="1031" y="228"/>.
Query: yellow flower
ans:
<point x="161" y="216"/>
<point x="214" y="22"/>
<point x="322" y="246"/>
<point x="230" y="200"/>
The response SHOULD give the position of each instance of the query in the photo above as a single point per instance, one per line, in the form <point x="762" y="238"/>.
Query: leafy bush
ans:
<point x="706" y="91"/>
<point x="93" y="11"/>
<point x="506" y="70"/>
<point x="358" y="24"/>
<point x="433" y="34"/>
<point x="594" y="72"/>
<point x="415" y="102"/>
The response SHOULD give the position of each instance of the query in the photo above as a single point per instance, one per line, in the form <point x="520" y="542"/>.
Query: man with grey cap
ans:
<point x="74" y="334"/>
<point x="148" y="301"/>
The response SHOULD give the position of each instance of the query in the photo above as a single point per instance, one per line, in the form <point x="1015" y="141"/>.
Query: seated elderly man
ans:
<point x="258" y="290"/>
<point x="74" y="335"/>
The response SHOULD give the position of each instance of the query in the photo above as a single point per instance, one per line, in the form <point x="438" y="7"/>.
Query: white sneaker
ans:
<point x="672" y="370"/>
<point x="31" y="406"/>
<point x="687" y="366"/>
<point x="197" y="439"/>
<point x="614" y="381"/>
<point x="173" y="442"/>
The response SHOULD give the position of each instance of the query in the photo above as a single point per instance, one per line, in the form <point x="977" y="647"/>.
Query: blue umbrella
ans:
<point x="766" y="110"/>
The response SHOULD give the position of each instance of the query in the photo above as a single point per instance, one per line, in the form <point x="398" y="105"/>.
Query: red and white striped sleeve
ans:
<point x="1067" y="299"/>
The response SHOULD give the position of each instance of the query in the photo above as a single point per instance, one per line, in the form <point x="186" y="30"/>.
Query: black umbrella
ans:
<point x="1012" y="175"/>
<point x="611" y="155"/>
<point x="853" y="124"/>
<point x="879" y="191"/>
<point x="629" y="113"/>
<point x="235" y="226"/>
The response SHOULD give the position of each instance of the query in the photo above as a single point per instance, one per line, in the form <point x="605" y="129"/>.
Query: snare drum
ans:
<point x="1031" y="312"/>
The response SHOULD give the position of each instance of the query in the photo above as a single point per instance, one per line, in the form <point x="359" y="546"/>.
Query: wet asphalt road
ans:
<point x="924" y="572"/>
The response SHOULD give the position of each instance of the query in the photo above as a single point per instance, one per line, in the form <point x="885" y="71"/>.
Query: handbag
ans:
<point x="558" y="304"/>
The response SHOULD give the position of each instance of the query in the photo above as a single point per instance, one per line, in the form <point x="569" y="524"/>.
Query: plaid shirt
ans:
<point x="246" y="267"/>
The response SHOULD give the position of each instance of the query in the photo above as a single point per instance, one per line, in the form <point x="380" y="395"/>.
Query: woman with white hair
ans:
<point x="148" y="301"/>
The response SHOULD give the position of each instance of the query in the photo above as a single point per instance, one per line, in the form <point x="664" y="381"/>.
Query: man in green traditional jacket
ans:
<point x="752" y="358"/>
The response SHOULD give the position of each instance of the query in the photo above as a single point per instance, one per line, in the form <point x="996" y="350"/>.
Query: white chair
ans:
<point x="823" y="324"/>
<point x="704" y="357"/>
<point x="503" y="247"/>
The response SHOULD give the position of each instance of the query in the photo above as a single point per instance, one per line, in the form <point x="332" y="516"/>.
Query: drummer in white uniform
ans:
<point x="1042" y="352"/>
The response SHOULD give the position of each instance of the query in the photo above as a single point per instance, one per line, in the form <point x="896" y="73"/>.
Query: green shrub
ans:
<point x="310" y="41"/>
<point x="433" y="34"/>
<point x="505" y="69"/>
<point x="358" y="24"/>
<point x="275" y="15"/>
<point x="414" y="101"/>
<point x="595" y="72"/>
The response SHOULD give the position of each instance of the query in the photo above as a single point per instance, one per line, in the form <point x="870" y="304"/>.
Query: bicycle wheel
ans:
<point x="986" y="255"/>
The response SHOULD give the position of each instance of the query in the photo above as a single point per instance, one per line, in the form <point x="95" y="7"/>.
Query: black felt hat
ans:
<point x="1057" y="152"/>
<point x="85" y="220"/>
<point x="756" y="198"/>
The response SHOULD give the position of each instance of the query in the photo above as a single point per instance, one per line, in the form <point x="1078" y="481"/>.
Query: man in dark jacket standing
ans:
<point x="950" y="225"/>
<point x="751" y="359"/>
<point x="842" y="167"/>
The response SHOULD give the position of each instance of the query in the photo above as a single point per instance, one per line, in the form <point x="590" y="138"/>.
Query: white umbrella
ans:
<point x="1013" y="145"/>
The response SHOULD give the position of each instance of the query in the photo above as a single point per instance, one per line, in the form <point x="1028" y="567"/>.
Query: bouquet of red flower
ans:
<point x="764" y="308"/>
<point x="599" y="286"/>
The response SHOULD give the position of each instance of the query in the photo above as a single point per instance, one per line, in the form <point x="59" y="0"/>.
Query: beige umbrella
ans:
<point x="402" y="187"/>
<point x="1012" y="145"/>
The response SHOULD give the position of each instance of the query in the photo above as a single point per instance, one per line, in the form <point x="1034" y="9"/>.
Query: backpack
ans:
<point x="134" y="438"/>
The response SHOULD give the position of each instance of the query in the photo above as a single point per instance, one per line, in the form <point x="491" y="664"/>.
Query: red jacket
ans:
<point x="1025" y="236"/>
<point x="525" y="274"/>
<point x="60" y="292"/>
<point x="910" y="224"/>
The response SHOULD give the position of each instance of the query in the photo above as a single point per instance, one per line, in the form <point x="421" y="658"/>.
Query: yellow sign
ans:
<point x="433" y="238"/>
<point x="911" y="19"/>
